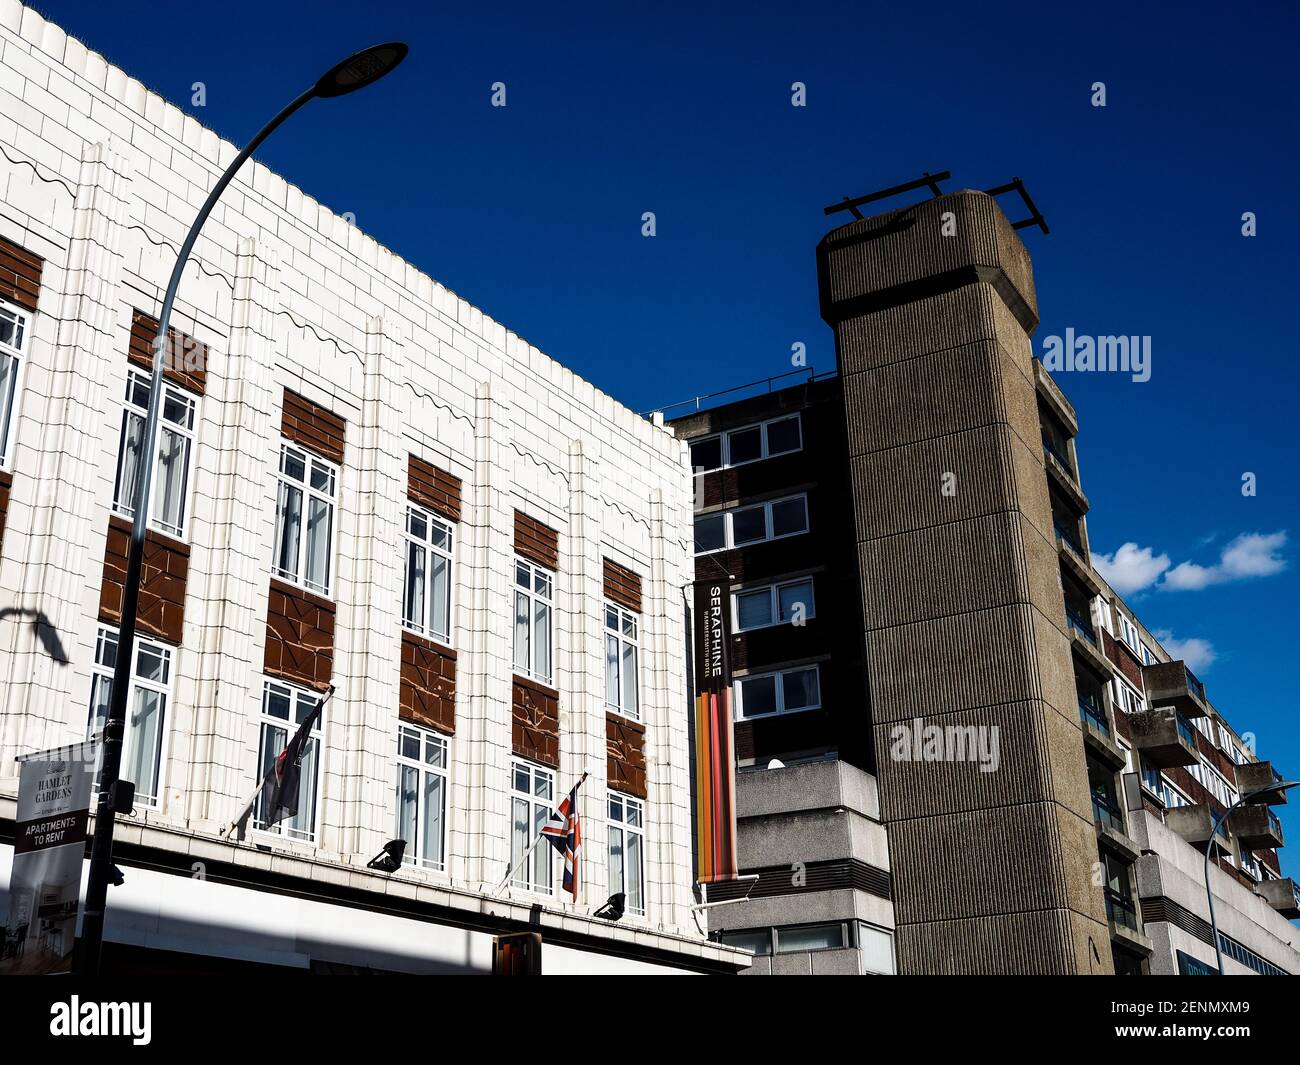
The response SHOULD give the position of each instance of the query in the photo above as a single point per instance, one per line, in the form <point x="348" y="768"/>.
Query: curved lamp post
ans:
<point x="1242" y="800"/>
<point x="356" y="72"/>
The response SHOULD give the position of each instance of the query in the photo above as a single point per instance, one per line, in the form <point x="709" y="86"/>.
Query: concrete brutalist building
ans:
<point x="940" y="552"/>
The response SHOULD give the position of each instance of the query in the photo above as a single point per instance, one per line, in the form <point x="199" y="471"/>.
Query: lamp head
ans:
<point x="361" y="69"/>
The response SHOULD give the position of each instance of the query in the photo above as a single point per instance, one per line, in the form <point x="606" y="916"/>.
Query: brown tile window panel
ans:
<point x="535" y="733"/>
<point x="428" y="688"/>
<point x="6" y="486"/>
<point x="162" y="586"/>
<point x="622" y="586"/>
<point x="433" y="488"/>
<point x="299" y="636"/>
<point x="188" y="364"/>
<point x="1119" y="653"/>
<point x="536" y="542"/>
<point x="625" y="754"/>
<point x="20" y="274"/>
<point x="312" y="426"/>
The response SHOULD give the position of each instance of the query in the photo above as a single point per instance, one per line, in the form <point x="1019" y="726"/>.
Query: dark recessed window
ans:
<point x="707" y="454"/>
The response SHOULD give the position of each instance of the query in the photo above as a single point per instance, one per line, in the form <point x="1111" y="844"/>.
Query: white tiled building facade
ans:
<point x="100" y="178"/>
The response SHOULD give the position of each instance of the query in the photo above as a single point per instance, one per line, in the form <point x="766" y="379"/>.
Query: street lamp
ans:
<point x="1258" y="795"/>
<point x="356" y="72"/>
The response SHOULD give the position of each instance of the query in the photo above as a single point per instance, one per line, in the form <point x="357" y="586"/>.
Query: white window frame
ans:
<point x="774" y="594"/>
<point x="9" y="418"/>
<point x="426" y="739"/>
<point x="728" y="520"/>
<point x="739" y="696"/>
<point x="534" y="598"/>
<point x="620" y="827"/>
<point x="528" y="877"/>
<point x="765" y="451"/>
<point x="618" y="633"/>
<point x="302" y="701"/>
<point x="311" y="461"/>
<point x="1129" y="634"/>
<point x="101" y="680"/>
<point x="425" y="626"/>
<point x="134" y="412"/>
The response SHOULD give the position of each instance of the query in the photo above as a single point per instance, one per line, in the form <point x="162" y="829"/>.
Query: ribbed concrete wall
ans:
<point x="961" y="591"/>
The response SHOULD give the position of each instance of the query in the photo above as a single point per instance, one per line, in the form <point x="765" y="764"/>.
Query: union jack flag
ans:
<point x="563" y="830"/>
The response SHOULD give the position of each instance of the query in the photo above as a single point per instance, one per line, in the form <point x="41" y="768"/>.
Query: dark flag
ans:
<point x="286" y="773"/>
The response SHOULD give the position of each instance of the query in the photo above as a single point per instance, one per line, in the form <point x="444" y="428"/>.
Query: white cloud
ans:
<point x="1131" y="568"/>
<point x="1249" y="555"/>
<point x="1197" y="653"/>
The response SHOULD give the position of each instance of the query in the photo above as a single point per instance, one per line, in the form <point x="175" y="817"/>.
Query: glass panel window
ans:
<point x="422" y="762"/>
<point x="534" y="621"/>
<point x="284" y="708"/>
<point x="706" y="454"/>
<point x="13" y="337"/>
<point x="773" y="604"/>
<point x="171" y="471"/>
<point x="810" y="937"/>
<point x="304" y="555"/>
<point x="749" y="443"/>
<point x="146" y="710"/>
<point x="532" y="797"/>
<point x="877" y="948"/>
<point x="427" y="603"/>
<point x="778" y="693"/>
<point x="622" y="690"/>
<point x="745" y="445"/>
<point x="783" y="436"/>
<point x="751" y="524"/>
<point x="627" y="851"/>
<point x="757" y="942"/>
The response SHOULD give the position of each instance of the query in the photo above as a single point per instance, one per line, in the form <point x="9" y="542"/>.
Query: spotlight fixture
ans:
<point x="116" y="877"/>
<point x="612" y="910"/>
<point x="389" y="860"/>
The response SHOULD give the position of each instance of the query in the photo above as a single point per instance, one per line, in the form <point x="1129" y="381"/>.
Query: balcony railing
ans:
<point x="1091" y="714"/>
<point x="1105" y="812"/>
<point x="1070" y="536"/>
<point x="1195" y="686"/>
<point x="1050" y="448"/>
<point x="1080" y="624"/>
<point x="1185" y="731"/>
<point x="1121" y="910"/>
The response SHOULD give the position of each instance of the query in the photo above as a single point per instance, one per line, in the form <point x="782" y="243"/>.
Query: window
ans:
<point x="627" y="850"/>
<point x="171" y="471"/>
<point x="429" y="545"/>
<point x="532" y="797"/>
<point x="621" y="685"/>
<point x="534" y="599"/>
<point x="778" y="693"/>
<point x="877" y="949"/>
<point x="748" y="444"/>
<point x="751" y="525"/>
<point x="811" y="937"/>
<point x="313" y="482"/>
<point x="146" y="709"/>
<point x="1148" y="656"/>
<point x="775" y="604"/>
<point x="1129" y="633"/>
<point x="13" y="337"/>
<point x="422" y="796"/>
<point x="284" y="708"/>
<point x="758" y="942"/>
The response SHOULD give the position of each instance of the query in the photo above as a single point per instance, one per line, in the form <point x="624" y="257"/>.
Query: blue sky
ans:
<point x="533" y="212"/>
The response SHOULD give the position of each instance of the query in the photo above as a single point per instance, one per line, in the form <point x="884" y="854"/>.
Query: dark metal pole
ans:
<point x="101" y="853"/>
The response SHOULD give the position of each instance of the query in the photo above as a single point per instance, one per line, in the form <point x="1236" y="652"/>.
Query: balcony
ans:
<point x="1256" y="827"/>
<point x="1164" y="737"/>
<point x="1251" y="776"/>
<point x="1195" y="824"/>
<point x="1283" y="895"/>
<point x="1172" y="683"/>
<point x="1069" y="536"/>
<point x="1097" y="732"/>
<point x="1077" y="620"/>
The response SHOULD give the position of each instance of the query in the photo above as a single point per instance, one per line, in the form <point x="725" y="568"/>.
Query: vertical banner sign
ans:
<point x="715" y="760"/>
<point x="49" y="844"/>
